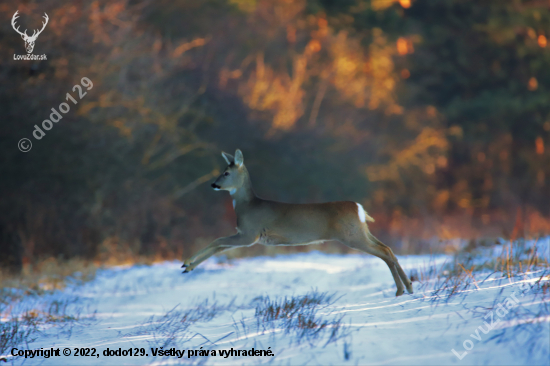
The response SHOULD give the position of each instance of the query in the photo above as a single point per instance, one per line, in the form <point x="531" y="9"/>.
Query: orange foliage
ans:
<point x="405" y="3"/>
<point x="539" y="144"/>
<point x="533" y="84"/>
<point x="542" y="41"/>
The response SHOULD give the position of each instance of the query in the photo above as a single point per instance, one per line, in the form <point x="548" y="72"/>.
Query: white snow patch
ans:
<point x="292" y="266"/>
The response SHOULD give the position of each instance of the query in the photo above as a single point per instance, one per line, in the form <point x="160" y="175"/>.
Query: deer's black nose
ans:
<point x="214" y="185"/>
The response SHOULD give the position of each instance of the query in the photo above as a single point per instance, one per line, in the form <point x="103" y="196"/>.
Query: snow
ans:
<point x="124" y="307"/>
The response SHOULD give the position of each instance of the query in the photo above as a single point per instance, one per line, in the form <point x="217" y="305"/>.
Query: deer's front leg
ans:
<point x="216" y="246"/>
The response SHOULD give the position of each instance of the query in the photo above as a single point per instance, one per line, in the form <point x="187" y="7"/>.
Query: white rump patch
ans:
<point x="361" y="212"/>
<point x="363" y="215"/>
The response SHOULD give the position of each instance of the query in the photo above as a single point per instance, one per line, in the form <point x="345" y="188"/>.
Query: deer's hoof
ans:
<point x="399" y="292"/>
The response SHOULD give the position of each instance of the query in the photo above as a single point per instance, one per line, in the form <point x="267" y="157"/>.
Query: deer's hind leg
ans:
<point x="402" y="275"/>
<point x="367" y="243"/>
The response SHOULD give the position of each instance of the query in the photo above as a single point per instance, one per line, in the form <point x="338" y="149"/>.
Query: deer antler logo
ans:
<point x="29" y="40"/>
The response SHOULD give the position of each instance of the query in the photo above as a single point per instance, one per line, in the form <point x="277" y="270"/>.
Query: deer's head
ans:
<point x="234" y="175"/>
<point x="29" y="40"/>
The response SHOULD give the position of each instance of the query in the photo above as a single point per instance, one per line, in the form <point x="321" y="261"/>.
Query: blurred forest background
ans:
<point x="434" y="114"/>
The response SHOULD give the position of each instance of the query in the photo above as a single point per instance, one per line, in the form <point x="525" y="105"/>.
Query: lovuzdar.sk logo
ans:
<point x="29" y="40"/>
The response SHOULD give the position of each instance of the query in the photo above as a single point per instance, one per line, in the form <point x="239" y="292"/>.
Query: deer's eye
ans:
<point x="226" y="174"/>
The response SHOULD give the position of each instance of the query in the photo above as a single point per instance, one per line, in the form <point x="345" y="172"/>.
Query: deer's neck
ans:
<point x="244" y="193"/>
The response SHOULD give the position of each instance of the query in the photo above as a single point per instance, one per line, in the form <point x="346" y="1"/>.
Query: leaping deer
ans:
<point x="29" y="41"/>
<point x="275" y="223"/>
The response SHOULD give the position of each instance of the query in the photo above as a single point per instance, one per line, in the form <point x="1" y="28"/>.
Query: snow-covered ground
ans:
<point x="147" y="307"/>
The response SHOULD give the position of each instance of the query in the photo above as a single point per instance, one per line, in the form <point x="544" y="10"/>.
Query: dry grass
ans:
<point x="50" y="274"/>
<point x="469" y="268"/>
<point x="268" y="310"/>
<point x="45" y="276"/>
<point x="173" y="327"/>
<point x="299" y="317"/>
<point x="14" y="332"/>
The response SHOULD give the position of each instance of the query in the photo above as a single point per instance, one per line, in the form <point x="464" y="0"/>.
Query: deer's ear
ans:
<point x="239" y="159"/>
<point x="228" y="158"/>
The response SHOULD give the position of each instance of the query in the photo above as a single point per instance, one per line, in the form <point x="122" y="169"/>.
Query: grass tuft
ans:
<point x="15" y="332"/>
<point x="299" y="316"/>
<point x="174" y="325"/>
